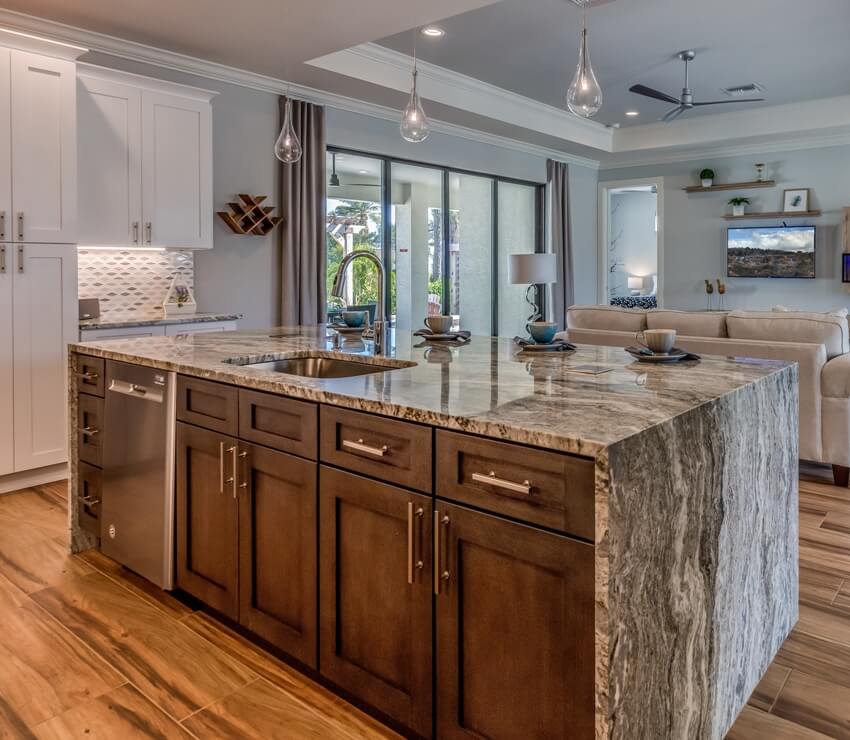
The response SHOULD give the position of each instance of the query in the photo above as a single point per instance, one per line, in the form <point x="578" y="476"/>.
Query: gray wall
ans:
<point x="242" y="273"/>
<point x="695" y="232"/>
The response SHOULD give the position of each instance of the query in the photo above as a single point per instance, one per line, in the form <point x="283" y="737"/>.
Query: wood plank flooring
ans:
<point x="90" y="650"/>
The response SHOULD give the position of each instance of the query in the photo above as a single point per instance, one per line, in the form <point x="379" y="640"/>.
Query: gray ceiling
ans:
<point x="798" y="49"/>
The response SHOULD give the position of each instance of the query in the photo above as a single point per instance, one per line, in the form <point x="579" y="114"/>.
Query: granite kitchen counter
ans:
<point x="695" y="502"/>
<point x="128" y="319"/>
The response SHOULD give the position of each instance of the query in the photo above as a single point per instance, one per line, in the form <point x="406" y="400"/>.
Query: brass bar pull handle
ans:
<point x="20" y="258"/>
<point x="88" y="376"/>
<point x="234" y="451"/>
<point x="135" y="232"/>
<point x="358" y="446"/>
<point x="492" y="480"/>
<point x="88" y="431"/>
<point x="436" y="552"/>
<point x="244" y="483"/>
<point x="2" y="225"/>
<point x="413" y="563"/>
<point x="221" y="467"/>
<point x="148" y="232"/>
<point x="90" y="501"/>
<point x="21" y="225"/>
<point x="2" y="257"/>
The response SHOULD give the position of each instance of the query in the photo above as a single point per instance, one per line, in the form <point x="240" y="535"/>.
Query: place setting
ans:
<point x="657" y="346"/>
<point x="439" y="329"/>
<point x="542" y="338"/>
<point x="354" y="323"/>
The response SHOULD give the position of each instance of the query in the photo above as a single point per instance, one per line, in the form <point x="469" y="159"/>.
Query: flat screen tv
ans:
<point x="771" y="252"/>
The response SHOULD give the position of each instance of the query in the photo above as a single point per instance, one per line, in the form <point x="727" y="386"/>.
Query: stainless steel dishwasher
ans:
<point x="137" y="525"/>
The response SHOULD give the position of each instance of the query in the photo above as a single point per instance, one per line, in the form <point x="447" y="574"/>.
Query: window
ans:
<point x="445" y="236"/>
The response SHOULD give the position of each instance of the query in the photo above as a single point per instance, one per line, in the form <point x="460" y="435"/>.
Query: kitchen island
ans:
<point x="656" y="504"/>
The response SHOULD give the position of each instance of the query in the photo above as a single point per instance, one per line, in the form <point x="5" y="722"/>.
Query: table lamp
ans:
<point x="635" y="284"/>
<point x="532" y="270"/>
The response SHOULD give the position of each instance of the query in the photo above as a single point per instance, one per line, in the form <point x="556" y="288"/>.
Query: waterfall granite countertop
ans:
<point x="695" y="506"/>
<point x="127" y="319"/>
<point x="486" y="387"/>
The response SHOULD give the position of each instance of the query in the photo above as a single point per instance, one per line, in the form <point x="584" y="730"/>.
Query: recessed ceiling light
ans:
<point x="363" y="172"/>
<point x="433" y="31"/>
<point x="632" y="113"/>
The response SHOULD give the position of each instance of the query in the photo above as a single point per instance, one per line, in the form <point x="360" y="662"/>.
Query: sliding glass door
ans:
<point x="445" y="236"/>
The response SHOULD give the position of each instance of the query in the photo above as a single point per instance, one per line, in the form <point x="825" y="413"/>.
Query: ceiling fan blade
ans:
<point x="737" y="100"/>
<point x="651" y="93"/>
<point x="673" y="114"/>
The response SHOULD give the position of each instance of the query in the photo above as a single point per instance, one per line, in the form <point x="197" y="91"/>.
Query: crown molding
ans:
<point x="96" y="72"/>
<point x="391" y="69"/>
<point x="27" y="41"/>
<point x="174" y="61"/>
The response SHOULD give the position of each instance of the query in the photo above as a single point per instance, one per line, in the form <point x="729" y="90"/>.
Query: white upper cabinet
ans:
<point x="110" y="162"/>
<point x="43" y="148"/>
<point x="5" y="151"/>
<point x="145" y="162"/>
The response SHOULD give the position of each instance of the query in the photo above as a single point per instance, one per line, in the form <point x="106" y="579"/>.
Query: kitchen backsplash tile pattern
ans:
<point x="131" y="280"/>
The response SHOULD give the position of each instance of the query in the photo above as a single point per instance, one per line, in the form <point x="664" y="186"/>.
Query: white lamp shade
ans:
<point x="635" y="283"/>
<point x="532" y="269"/>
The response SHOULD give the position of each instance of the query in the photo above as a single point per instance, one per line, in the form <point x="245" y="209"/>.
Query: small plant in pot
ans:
<point x="707" y="177"/>
<point x="738" y="205"/>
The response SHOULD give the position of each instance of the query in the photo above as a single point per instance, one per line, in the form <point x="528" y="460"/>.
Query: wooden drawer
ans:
<point x="206" y="404"/>
<point x="89" y="488"/>
<point x="281" y="423"/>
<point x="90" y="375"/>
<point x="90" y="429"/>
<point x="394" y="451"/>
<point x="549" y="489"/>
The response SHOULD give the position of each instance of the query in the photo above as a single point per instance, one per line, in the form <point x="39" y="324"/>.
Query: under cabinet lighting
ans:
<point x="122" y="248"/>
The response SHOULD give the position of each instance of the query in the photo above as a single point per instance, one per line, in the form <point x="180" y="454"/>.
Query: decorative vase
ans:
<point x="738" y="210"/>
<point x="707" y="182"/>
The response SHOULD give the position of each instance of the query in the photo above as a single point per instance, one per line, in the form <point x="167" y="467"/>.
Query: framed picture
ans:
<point x="796" y="200"/>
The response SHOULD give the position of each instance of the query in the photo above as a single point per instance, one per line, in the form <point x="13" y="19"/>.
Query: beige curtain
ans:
<point x="557" y="185"/>
<point x="302" y="205"/>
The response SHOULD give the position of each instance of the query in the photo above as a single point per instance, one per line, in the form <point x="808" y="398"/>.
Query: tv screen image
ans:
<point x="771" y="252"/>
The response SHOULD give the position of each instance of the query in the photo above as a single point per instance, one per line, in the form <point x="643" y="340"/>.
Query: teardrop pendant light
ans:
<point x="414" y="125"/>
<point x="584" y="96"/>
<point x="287" y="148"/>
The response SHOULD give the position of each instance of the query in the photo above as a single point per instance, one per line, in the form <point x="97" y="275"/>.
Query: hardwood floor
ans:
<point x="90" y="650"/>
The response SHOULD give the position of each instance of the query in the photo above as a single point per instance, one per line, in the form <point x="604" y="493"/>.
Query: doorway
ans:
<point x="631" y="243"/>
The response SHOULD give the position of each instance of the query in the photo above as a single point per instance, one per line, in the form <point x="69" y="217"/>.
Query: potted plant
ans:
<point x="707" y="177"/>
<point x="738" y="205"/>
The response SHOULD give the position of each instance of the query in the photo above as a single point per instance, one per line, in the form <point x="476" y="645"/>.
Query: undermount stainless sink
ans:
<point x="319" y="366"/>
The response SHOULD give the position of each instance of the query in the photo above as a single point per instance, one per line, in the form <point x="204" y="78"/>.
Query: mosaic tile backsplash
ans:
<point x="131" y="280"/>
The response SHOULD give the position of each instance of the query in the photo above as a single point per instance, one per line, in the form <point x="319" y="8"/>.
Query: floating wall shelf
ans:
<point x="772" y="214"/>
<point x="249" y="216"/>
<point x="731" y="186"/>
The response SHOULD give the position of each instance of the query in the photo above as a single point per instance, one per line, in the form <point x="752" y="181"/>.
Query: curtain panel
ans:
<point x="302" y="205"/>
<point x="558" y="191"/>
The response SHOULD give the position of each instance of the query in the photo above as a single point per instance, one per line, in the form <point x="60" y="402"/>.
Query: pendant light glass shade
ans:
<point x="287" y="148"/>
<point x="414" y="125"/>
<point x="584" y="96"/>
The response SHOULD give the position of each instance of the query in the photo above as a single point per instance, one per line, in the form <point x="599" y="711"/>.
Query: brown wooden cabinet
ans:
<point x="207" y="518"/>
<point x="514" y="630"/>
<point x="277" y="550"/>
<point x="376" y="595"/>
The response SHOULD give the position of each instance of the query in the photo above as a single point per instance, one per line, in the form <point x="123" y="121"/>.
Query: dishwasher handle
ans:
<point x="136" y="391"/>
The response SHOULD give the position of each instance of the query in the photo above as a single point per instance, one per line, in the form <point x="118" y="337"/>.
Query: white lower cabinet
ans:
<point x="200" y="327"/>
<point x="7" y="431"/>
<point x="44" y="321"/>
<point x="160" y="330"/>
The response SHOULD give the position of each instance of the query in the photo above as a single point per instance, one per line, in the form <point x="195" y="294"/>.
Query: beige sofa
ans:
<point x="819" y="343"/>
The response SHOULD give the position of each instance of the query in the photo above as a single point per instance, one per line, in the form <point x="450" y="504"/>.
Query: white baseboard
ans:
<point x="37" y="477"/>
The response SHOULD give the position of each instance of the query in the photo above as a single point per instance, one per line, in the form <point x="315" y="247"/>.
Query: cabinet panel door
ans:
<point x="207" y="518"/>
<point x="44" y="316"/>
<point x="5" y="148"/>
<point x="44" y="148"/>
<point x="7" y="434"/>
<point x="110" y="148"/>
<point x="515" y="636"/>
<point x="176" y="171"/>
<point x="375" y="625"/>
<point x="277" y="550"/>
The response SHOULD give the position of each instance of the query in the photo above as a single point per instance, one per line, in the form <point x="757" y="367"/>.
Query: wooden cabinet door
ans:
<point x="44" y="148"/>
<point x="277" y="550"/>
<point x="176" y="171"/>
<point x="110" y="149"/>
<point x="375" y="611"/>
<point x="207" y="518"/>
<point x="515" y="636"/>
<point x="45" y="319"/>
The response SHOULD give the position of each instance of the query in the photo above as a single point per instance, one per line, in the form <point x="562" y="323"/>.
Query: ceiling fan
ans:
<point x="333" y="180"/>
<point x="686" y="101"/>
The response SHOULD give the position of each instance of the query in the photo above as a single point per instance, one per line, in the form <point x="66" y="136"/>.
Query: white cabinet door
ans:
<point x="44" y="148"/>
<point x="200" y="327"/>
<point x="109" y="120"/>
<point x="44" y="315"/>
<point x="130" y="332"/>
<point x="5" y="150"/>
<point x="7" y="456"/>
<point x="176" y="171"/>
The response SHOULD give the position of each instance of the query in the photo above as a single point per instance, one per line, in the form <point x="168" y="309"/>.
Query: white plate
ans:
<point x="551" y="347"/>
<point x="349" y="329"/>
